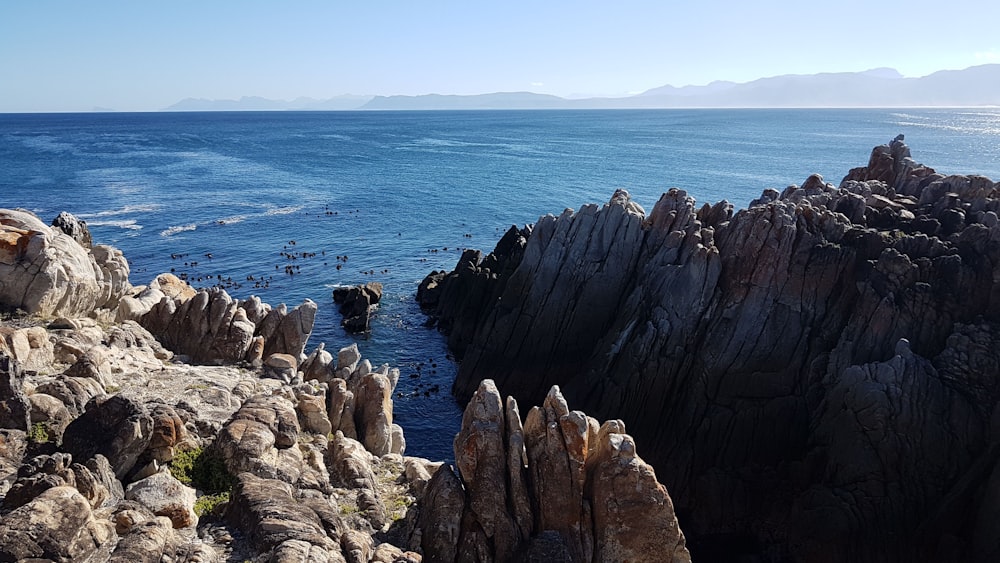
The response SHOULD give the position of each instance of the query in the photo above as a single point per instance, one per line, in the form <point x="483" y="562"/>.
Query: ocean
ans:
<point x="289" y="205"/>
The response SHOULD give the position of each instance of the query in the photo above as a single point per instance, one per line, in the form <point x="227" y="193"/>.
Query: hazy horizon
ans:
<point x="68" y="56"/>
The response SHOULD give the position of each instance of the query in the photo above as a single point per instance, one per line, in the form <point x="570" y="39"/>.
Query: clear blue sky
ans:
<point x="146" y="55"/>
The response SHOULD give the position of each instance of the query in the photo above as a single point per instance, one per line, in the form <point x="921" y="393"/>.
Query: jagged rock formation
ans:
<point x="46" y="272"/>
<point x="561" y="484"/>
<point x="356" y="304"/>
<point x="814" y="377"/>
<point x="209" y="326"/>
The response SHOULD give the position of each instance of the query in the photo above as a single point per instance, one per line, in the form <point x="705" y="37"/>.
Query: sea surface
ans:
<point x="289" y="205"/>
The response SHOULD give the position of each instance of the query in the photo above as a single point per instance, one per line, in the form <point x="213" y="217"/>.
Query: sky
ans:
<point x="69" y="55"/>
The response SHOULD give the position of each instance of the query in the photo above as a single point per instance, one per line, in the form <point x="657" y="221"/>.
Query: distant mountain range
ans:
<point x="881" y="87"/>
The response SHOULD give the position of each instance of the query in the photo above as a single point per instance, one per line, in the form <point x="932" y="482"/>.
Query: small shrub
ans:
<point x="202" y="469"/>
<point x="39" y="433"/>
<point x="210" y="504"/>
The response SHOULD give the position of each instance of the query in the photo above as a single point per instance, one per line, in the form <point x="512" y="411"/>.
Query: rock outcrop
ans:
<point x="44" y="271"/>
<point x="814" y="377"/>
<point x="356" y="304"/>
<point x="210" y="327"/>
<point x="561" y="484"/>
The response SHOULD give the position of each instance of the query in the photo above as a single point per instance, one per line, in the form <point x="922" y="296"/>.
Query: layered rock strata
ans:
<point x="814" y="377"/>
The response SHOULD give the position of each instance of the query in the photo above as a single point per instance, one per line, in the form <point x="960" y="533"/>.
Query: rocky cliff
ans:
<point x="813" y="377"/>
<point x="163" y="423"/>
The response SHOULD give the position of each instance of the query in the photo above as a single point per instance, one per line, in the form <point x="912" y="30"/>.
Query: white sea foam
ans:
<point x="283" y="210"/>
<point x="129" y="224"/>
<point x="231" y="220"/>
<point x="177" y="229"/>
<point x="128" y="209"/>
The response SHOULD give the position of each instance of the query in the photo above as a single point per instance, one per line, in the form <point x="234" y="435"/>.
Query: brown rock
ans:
<point x="373" y="414"/>
<point x="440" y="520"/>
<point x="482" y="461"/>
<point x="634" y="517"/>
<point x="267" y="511"/>
<point x="281" y="366"/>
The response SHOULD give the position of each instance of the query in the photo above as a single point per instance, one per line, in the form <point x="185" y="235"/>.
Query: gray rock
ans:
<point x="725" y="341"/>
<point x="47" y="272"/>
<point x="268" y="513"/>
<point x="165" y="496"/>
<point x="356" y="304"/>
<point x="75" y="228"/>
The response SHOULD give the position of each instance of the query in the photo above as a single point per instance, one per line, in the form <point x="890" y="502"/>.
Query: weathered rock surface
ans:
<point x="45" y="271"/>
<point x="114" y="426"/>
<point x="14" y="406"/>
<point x="78" y="389"/>
<point x="211" y="327"/>
<point x="356" y="304"/>
<point x="756" y="356"/>
<point x="75" y="228"/>
<point x="165" y="496"/>
<point x="560" y="487"/>
<point x="57" y="525"/>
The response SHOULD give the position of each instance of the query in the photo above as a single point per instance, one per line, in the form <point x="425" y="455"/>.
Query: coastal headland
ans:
<point x="814" y="377"/>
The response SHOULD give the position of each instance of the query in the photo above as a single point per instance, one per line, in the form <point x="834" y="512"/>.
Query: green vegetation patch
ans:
<point x="211" y="504"/>
<point x="202" y="469"/>
<point x="39" y="433"/>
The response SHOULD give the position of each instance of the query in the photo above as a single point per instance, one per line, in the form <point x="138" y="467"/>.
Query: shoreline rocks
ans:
<point x="760" y="357"/>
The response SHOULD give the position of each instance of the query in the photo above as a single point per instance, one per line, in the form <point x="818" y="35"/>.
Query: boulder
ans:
<point x="312" y="415"/>
<point x="37" y="475"/>
<point x="269" y="514"/>
<point x="209" y="327"/>
<point x="47" y="272"/>
<point x="144" y="542"/>
<point x="281" y="366"/>
<point x="76" y="228"/>
<point x="373" y="413"/>
<point x="57" y="525"/>
<point x="558" y="488"/>
<point x="51" y="413"/>
<point x="165" y="496"/>
<point x="114" y="426"/>
<point x="287" y="332"/>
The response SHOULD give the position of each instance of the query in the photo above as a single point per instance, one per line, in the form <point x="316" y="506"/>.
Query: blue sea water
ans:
<point x="390" y="196"/>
